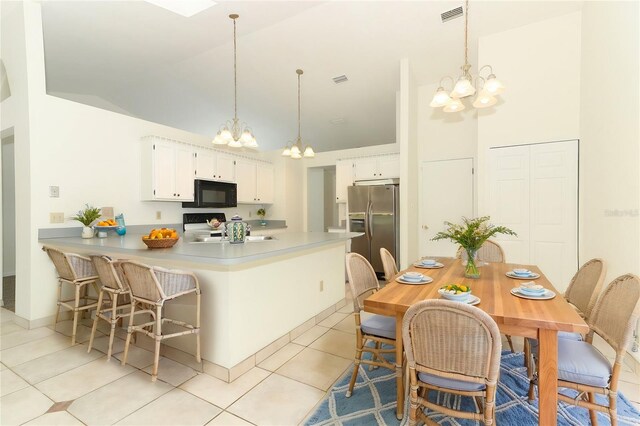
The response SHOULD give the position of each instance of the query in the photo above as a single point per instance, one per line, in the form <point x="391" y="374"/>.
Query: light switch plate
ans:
<point x="54" y="191"/>
<point x="159" y="215"/>
<point x="56" y="217"/>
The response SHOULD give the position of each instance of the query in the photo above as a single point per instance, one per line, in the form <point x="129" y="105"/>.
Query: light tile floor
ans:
<point x="46" y="381"/>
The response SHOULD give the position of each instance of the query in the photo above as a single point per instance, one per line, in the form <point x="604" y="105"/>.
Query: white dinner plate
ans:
<point x="546" y="296"/>
<point x="533" y="276"/>
<point x="426" y="280"/>
<point x="472" y="300"/>
<point x="438" y="265"/>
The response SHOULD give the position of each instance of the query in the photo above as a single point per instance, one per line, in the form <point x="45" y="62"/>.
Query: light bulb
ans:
<point x="235" y="143"/>
<point x="286" y="152"/>
<point x="440" y="98"/>
<point x="295" y="150"/>
<point x="226" y="135"/>
<point x="484" y="100"/>
<point x="463" y="88"/>
<point x="493" y="86"/>
<point x="246" y="137"/>
<point x="453" y="106"/>
<point x="218" y="140"/>
<point x="308" y="152"/>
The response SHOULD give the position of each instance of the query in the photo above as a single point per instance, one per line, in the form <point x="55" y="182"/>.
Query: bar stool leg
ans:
<point x="129" y="332"/>
<point x="76" y="312"/>
<point x="55" y="321"/>
<point x="158" y="337"/>
<point x="198" y="357"/>
<point x="95" y="321"/>
<point x="112" y="322"/>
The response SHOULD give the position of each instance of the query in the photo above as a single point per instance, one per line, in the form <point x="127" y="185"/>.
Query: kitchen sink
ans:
<point x="248" y="238"/>
<point x="258" y="238"/>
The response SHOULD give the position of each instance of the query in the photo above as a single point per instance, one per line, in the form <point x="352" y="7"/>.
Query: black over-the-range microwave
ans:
<point x="213" y="194"/>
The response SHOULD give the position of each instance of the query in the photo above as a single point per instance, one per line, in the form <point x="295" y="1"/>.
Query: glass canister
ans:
<point x="122" y="228"/>
<point x="236" y="230"/>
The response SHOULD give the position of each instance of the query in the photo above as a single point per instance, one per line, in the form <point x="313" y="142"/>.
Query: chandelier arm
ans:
<point x="447" y="77"/>
<point x="486" y="66"/>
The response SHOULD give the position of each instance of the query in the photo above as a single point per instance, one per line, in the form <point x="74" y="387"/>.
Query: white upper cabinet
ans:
<point x="168" y="170"/>
<point x="206" y="164"/>
<point x="383" y="167"/>
<point x="344" y="179"/>
<point x="255" y="182"/>
<point x="225" y="167"/>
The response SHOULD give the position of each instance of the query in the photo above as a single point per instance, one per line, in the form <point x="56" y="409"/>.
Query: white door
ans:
<point x="344" y="179"/>
<point x="225" y="168"/>
<point x="447" y="195"/>
<point x="205" y="164"/>
<point x="185" y="173"/>
<point x="246" y="172"/>
<point x="366" y="169"/>
<point x="265" y="183"/>
<point x="164" y="171"/>
<point x="389" y="166"/>
<point x="533" y="189"/>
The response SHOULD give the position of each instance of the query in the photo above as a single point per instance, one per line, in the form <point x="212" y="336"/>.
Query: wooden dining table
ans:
<point x="515" y="316"/>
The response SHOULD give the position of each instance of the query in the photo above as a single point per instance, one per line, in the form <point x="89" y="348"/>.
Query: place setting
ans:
<point x="428" y="264"/>
<point x="522" y="274"/>
<point x="458" y="293"/>
<point x="533" y="291"/>
<point x="415" y="278"/>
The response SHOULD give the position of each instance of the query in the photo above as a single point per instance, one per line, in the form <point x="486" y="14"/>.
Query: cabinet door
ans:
<point x="164" y="171"/>
<point x="389" y="166"/>
<point x="205" y="164"/>
<point x="185" y="172"/>
<point x="246" y="172"/>
<point x="225" y="168"/>
<point x="366" y="169"/>
<point x="344" y="179"/>
<point x="265" y="183"/>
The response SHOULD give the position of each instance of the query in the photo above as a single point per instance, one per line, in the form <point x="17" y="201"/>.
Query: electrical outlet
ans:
<point x="249" y="213"/>
<point x="321" y="285"/>
<point x="158" y="215"/>
<point x="56" y="217"/>
<point x="54" y="192"/>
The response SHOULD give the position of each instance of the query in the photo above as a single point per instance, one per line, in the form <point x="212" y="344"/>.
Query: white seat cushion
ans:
<point x="581" y="362"/>
<point x="452" y="384"/>
<point x="561" y="335"/>
<point x="379" y="325"/>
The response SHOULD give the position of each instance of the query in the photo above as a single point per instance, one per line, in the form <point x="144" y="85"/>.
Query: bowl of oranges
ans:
<point x="161" y="238"/>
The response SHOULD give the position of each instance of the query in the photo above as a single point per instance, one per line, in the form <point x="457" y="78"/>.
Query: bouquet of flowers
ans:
<point x="471" y="234"/>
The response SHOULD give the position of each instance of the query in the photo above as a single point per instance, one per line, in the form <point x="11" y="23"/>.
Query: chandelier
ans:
<point x="489" y="87"/>
<point x="233" y="133"/>
<point x="295" y="150"/>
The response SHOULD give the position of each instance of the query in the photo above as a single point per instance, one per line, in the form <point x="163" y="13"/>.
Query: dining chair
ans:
<point x="388" y="264"/>
<point x="376" y="329"/>
<point x="79" y="272"/>
<point x="117" y="292"/>
<point x="582" y="293"/>
<point x="454" y="348"/>
<point x="153" y="285"/>
<point x="490" y="251"/>
<point x="585" y="369"/>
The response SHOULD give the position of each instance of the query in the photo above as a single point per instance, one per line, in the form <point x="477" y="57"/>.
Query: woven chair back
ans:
<point x="585" y="286"/>
<point x="142" y="281"/>
<point x="61" y="263"/>
<point x="490" y="251"/>
<point x="362" y="279"/>
<point x="452" y="340"/>
<point x="109" y="272"/>
<point x="388" y="264"/>
<point x="615" y="314"/>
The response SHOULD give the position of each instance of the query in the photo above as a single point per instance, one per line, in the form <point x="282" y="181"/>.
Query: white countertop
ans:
<point x="212" y="253"/>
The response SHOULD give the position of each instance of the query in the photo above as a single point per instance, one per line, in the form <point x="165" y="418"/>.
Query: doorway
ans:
<point x="322" y="209"/>
<point x="8" y="295"/>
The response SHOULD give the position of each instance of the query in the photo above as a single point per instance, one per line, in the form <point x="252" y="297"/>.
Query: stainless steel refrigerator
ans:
<point x="373" y="210"/>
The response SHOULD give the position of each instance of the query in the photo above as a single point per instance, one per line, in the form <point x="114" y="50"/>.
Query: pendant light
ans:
<point x="233" y="133"/>
<point x="464" y="86"/>
<point x="295" y="151"/>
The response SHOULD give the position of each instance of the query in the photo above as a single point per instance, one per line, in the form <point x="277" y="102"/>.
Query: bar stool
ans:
<point x="78" y="271"/>
<point x="154" y="286"/>
<point x="115" y="287"/>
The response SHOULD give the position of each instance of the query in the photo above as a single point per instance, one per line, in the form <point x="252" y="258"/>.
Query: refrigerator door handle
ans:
<point x="369" y="220"/>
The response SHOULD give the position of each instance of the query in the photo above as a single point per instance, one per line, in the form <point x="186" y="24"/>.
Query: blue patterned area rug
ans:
<point x="374" y="402"/>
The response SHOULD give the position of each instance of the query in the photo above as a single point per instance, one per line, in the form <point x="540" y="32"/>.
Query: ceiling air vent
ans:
<point x="451" y="14"/>
<point x="340" y="79"/>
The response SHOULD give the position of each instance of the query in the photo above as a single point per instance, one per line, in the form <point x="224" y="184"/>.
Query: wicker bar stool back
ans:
<point x="388" y="264"/>
<point x="78" y="271"/>
<point x="153" y="286"/>
<point x="377" y="329"/>
<point x="454" y="348"/>
<point x="116" y="290"/>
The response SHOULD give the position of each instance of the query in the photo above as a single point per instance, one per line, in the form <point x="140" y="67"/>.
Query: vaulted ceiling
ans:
<point x="136" y="58"/>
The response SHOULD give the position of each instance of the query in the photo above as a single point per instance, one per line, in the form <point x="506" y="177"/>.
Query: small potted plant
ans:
<point x="86" y="217"/>
<point x="262" y="213"/>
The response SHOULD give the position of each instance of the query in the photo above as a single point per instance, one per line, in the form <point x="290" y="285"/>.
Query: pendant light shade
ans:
<point x="454" y="105"/>
<point x="484" y="100"/>
<point x="463" y="88"/>
<point x="308" y="152"/>
<point x="493" y="86"/>
<point x="286" y="152"/>
<point x="440" y="98"/>
<point x="234" y="133"/>
<point x="295" y="151"/>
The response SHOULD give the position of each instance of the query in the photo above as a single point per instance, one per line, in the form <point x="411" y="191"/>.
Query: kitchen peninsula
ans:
<point x="253" y="294"/>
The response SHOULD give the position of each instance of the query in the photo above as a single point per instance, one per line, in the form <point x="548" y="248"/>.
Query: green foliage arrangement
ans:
<point x="472" y="233"/>
<point x="88" y="215"/>
<point x="262" y="213"/>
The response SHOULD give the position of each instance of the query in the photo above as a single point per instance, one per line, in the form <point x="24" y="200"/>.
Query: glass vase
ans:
<point x="471" y="269"/>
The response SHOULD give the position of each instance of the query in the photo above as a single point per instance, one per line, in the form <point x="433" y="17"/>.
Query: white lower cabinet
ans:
<point x="168" y="170"/>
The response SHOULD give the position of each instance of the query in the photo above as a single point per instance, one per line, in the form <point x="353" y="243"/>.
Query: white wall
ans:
<point x="610" y="138"/>
<point x="540" y="66"/>
<point x="8" y="208"/>
<point x="315" y="191"/>
<point x="330" y="205"/>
